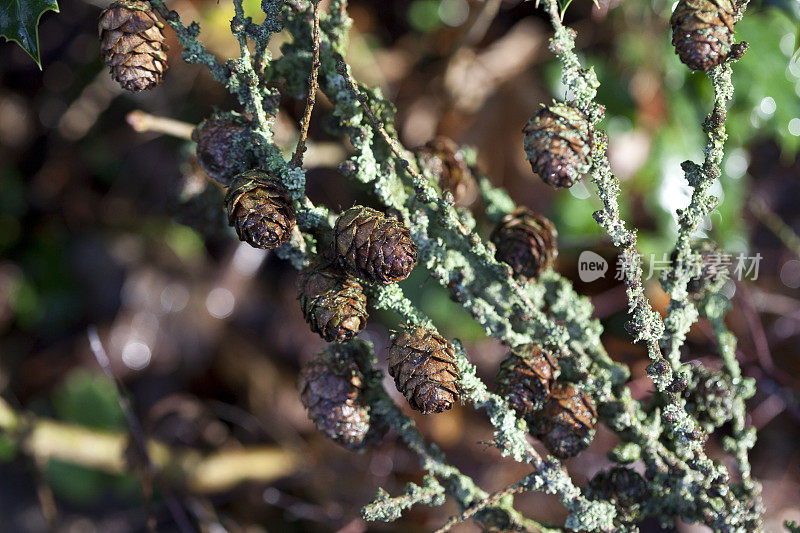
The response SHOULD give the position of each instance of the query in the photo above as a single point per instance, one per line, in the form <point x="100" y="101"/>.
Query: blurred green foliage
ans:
<point x="423" y="15"/>
<point x="84" y="486"/>
<point x="8" y="448"/>
<point x="90" y="400"/>
<point x="41" y="293"/>
<point x="184" y="241"/>
<point x="433" y="300"/>
<point x="768" y="81"/>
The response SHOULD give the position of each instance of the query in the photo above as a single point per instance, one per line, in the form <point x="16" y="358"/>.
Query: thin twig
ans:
<point x="486" y="502"/>
<point x="515" y="488"/>
<point x="145" y="122"/>
<point x="297" y="159"/>
<point x="137" y="436"/>
<point x="45" y="496"/>
<point x="756" y="328"/>
<point x="773" y="222"/>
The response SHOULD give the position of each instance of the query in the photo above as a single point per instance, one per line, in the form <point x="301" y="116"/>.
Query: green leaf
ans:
<point x="19" y="22"/>
<point x="89" y="399"/>
<point x="8" y="449"/>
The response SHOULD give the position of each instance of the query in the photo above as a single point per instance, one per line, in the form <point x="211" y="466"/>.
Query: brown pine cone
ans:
<point x="446" y="162"/>
<point x="132" y="44"/>
<point x="423" y="366"/>
<point x="331" y="389"/>
<point x="702" y="31"/>
<point x="525" y="378"/>
<point x="527" y="241"/>
<point x="567" y="423"/>
<point x="260" y="209"/>
<point x="558" y="143"/>
<point x="333" y="302"/>
<point x="223" y="141"/>
<point x="373" y="246"/>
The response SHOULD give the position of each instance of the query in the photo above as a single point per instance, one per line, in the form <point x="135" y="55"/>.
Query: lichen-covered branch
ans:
<point x="681" y="480"/>
<point x="681" y="313"/>
<point x="581" y="90"/>
<point x="193" y="50"/>
<point x="743" y="438"/>
<point x="646" y="323"/>
<point x="387" y="509"/>
<point x="460" y="486"/>
<point x="510" y="437"/>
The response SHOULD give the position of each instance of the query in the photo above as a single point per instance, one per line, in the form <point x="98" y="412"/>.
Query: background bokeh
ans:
<point x="104" y="226"/>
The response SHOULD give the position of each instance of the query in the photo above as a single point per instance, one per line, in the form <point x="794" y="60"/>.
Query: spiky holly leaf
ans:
<point x="19" y="22"/>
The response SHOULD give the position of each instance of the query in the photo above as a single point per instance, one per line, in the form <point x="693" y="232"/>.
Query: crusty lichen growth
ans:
<point x="681" y="480"/>
<point x="384" y="508"/>
<point x="460" y="486"/>
<point x="646" y="324"/>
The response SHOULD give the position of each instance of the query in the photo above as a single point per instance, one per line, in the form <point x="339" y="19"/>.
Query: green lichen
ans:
<point x="384" y="508"/>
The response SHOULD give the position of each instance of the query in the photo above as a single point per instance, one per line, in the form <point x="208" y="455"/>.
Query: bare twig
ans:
<point x="756" y="329"/>
<point x="84" y="111"/>
<point x="490" y="500"/>
<point x="772" y="221"/>
<point x="297" y="159"/>
<point x="776" y="304"/>
<point x="144" y="122"/>
<point x="45" y="496"/>
<point x="138" y="439"/>
<point x="471" y="77"/>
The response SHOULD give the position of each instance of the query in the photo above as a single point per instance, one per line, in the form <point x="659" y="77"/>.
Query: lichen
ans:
<point x="681" y="479"/>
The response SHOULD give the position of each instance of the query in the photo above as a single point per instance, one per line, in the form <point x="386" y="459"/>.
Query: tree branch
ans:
<point x="297" y="159"/>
